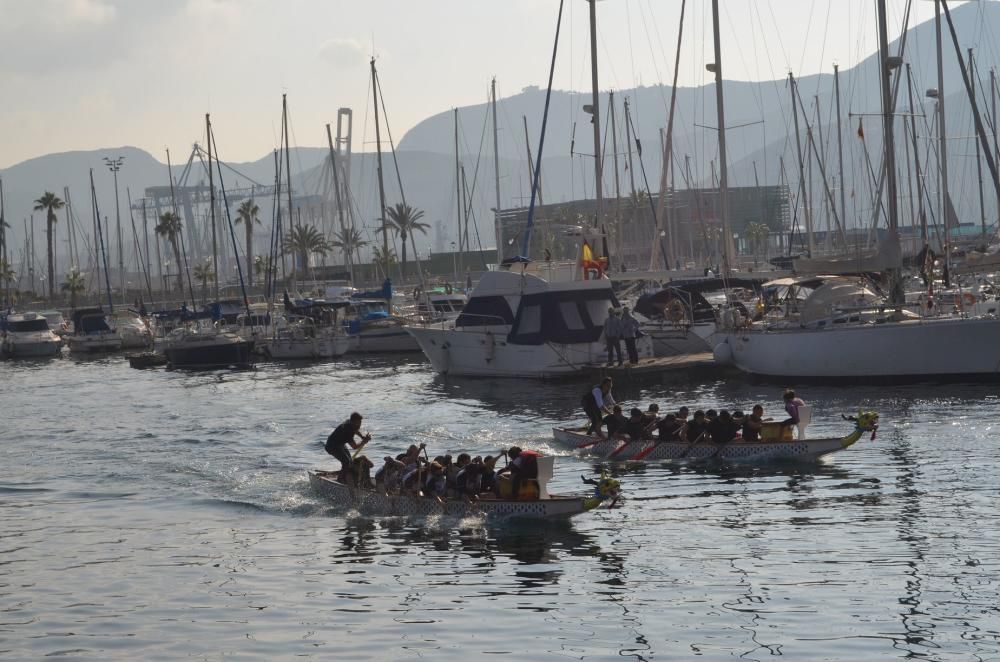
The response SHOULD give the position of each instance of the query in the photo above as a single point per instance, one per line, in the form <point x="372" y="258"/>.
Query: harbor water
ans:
<point x="166" y="515"/>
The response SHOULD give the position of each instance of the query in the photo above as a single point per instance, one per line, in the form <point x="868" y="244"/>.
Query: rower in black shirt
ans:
<point x="635" y="428"/>
<point x="341" y="438"/>
<point x="670" y="428"/>
<point x="723" y="429"/>
<point x="696" y="427"/>
<point x="615" y="422"/>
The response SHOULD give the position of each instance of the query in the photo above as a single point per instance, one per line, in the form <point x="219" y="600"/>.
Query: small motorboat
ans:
<point x="774" y="445"/>
<point x="207" y="349"/>
<point x="92" y="333"/>
<point x="28" y="335"/>
<point x="143" y="360"/>
<point x="544" y="506"/>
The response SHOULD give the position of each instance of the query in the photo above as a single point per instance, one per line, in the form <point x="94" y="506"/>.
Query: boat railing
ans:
<point x="482" y="323"/>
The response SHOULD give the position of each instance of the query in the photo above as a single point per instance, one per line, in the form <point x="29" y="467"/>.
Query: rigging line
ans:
<point x="631" y="45"/>
<point x="822" y="50"/>
<point x="774" y="21"/>
<point x="229" y="219"/>
<point x="809" y="21"/>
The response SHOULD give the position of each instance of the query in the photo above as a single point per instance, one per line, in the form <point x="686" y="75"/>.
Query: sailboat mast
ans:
<point x="979" y="155"/>
<point x="100" y="233"/>
<point x="458" y="199"/>
<point x="381" y="182"/>
<point x="840" y="148"/>
<point x="618" y="190"/>
<point x="889" y="143"/>
<point x="942" y="135"/>
<point x="211" y="204"/>
<point x="720" y="110"/>
<point x="803" y="195"/>
<point x="496" y="142"/>
<point x="598" y="170"/>
<point x="288" y="175"/>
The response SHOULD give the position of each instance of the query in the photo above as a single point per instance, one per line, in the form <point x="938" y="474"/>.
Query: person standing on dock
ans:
<point x="613" y="335"/>
<point x="595" y="401"/>
<point x="630" y="331"/>
<point x="341" y="438"/>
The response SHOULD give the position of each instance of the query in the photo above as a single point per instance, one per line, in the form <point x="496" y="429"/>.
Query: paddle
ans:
<point x="364" y="440"/>
<point x="691" y="446"/>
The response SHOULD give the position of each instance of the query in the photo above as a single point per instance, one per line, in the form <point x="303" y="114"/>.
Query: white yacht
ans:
<point x="28" y="335"/>
<point x="92" y="333"/>
<point x="133" y="329"/>
<point x="521" y="325"/>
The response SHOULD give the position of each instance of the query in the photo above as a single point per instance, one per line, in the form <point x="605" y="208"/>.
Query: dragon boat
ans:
<point x="776" y="444"/>
<point x="540" y="505"/>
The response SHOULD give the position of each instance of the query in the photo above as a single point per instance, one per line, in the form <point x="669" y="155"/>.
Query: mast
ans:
<point x="288" y="179"/>
<point x="896" y="285"/>
<point x="381" y="183"/>
<point x="618" y="191"/>
<point x="3" y="245"/>
<point x="723" y="170"/>
<point x="979" y="156"/>
<point x="458" y="199"/>
<point x="993" y="113"/>
<point x="100" y="233"/>
<point x="803" y="196"/>
<point x="668" y="148"/>
<point x="942" y="134"/>
<point x="74" y="254"/>
<point x="916" y="155"/>
<point x="598" y="170"/>
<point x="628" y="142"/>
<point x="531" y="163"/>
<point x="496" y="142"/>
<point x="840" y="152"/>
<point x="211" y="203"/>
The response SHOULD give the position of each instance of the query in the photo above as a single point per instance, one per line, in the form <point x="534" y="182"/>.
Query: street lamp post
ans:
<point x="114" y="165"/>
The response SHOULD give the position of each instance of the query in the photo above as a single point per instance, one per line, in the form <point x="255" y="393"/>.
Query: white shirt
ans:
<point x="603" y="400"/>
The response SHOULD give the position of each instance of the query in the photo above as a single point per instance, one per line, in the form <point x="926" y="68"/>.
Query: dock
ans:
<point x="663" y="369"/>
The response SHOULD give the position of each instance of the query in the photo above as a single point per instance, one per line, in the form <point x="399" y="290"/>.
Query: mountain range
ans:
<point x="760" y="138"/>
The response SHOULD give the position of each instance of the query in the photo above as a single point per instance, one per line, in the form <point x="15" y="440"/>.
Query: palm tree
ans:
<point x="349" y="241"/>
<point x="49" y="203"/>
<point x="756" y="234"/>
<point x="170" y="228"/>
<point x="384" y="262"/>
<point x="404" y="220"/>
<point x="247" y="215"/>
<point x="303" y="241"/>
<point x="75" y="284"/>
<point x="204" y="273"/>
<point x="7" y="276"/>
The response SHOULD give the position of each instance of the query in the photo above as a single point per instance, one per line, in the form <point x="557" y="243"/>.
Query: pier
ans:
<point x="663" y="369"/>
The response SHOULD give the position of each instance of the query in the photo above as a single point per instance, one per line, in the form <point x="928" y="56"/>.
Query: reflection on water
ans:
<point x="154" y="515"/>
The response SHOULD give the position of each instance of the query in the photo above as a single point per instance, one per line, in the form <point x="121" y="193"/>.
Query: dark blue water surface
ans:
<point x="156" y="515"/>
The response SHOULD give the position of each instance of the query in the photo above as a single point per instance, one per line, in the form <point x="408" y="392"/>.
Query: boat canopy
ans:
<point x="563" y="316"/>
<point x="838" y="294"/>
<point x="653" y="305"/>
<point x="384" y="293"/>
<point x="888" y="255"/>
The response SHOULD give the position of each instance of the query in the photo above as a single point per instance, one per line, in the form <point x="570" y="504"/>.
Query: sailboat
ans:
<point x="886" y="344"/>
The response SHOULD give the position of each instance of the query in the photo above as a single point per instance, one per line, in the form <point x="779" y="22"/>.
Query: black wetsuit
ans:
<point x="722" y="431"/>
<point x="670" y="430"/>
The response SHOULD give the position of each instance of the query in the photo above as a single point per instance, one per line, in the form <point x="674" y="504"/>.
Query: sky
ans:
<point x="87" y="74"/>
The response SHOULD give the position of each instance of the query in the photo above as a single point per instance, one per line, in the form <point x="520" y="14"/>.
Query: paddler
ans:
<point x="342" y="437"/>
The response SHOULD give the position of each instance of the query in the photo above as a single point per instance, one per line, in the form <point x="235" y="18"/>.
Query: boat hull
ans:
<point x="94" y="343"/>
<point x="379" y="504"/>
<point x="31" y="349"/>
<point x="209" y="356"/>
<point x="620" y="450"/>
<point x="675" y="340"/>
<point x="911" y="350"/>
<point x="384" y="339"/>
<point x="289" y="349"/>
<point x="488" y="354"/>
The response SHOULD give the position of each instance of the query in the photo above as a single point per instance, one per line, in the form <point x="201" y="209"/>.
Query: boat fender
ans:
<point x="968" y="299"/>
<point x="723" y="353"/>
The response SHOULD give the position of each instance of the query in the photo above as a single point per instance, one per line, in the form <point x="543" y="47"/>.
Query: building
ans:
<point x="693" y="229"/>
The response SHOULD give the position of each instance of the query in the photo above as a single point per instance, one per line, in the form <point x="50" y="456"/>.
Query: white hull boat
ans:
<point x="28" y="336"/>
<point x="384" y="336"/>
<point x="519" y="325"/>
<point x="322" y="347"/>
<point x="933" y="348"/>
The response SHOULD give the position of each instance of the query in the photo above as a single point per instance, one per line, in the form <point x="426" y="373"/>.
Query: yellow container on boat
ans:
<point x="775" y="432"/>
<point x="527" y="490"/>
